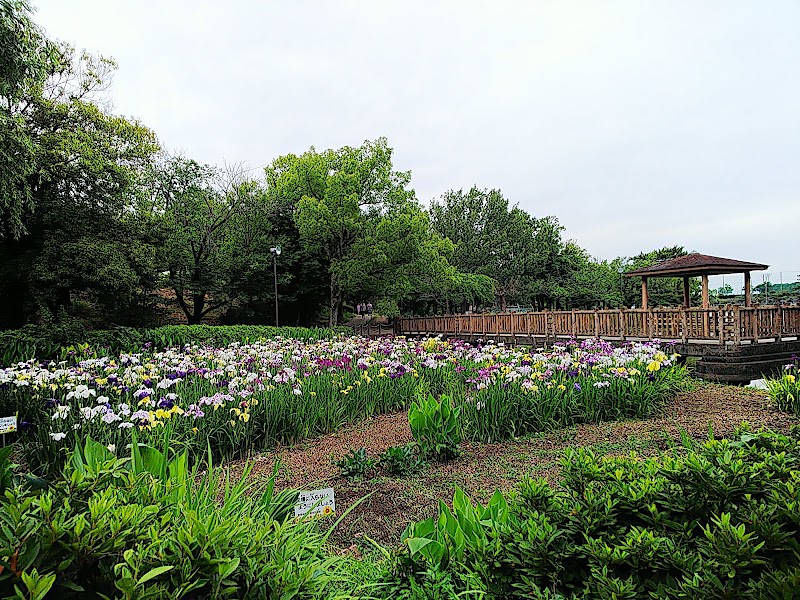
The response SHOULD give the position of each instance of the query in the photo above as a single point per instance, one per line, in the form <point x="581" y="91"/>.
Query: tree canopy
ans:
<point x="98" y="222"/>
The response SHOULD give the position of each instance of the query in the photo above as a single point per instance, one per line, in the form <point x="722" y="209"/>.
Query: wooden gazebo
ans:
<point x="697" y="265"/>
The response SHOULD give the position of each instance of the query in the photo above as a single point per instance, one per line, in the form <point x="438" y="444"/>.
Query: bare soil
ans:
<point x="392" y="502"/>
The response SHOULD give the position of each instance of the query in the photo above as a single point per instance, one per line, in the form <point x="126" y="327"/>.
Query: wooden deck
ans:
<point x="718" y="326"/>
<point x="735" y="344"/>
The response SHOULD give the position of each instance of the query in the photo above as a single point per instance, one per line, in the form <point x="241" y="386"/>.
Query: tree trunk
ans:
<point x="198" y="304"/>
<point x="502" y="298"/>
<point x="336" y="300"/>
<point x="198" y="297"/>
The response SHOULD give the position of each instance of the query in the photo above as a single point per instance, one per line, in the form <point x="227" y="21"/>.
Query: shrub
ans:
<point x="435" y="426"/>
<point x="355" y="464"/>
<point x="149" y="526"/>
<point x="401" y="460"/>
<point x="714" y="521"/>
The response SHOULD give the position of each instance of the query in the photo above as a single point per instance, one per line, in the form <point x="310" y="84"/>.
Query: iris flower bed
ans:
<point x="247" y="397"/>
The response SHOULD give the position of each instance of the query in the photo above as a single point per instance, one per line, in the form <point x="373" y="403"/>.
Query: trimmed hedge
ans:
<point x="65" y="340"/>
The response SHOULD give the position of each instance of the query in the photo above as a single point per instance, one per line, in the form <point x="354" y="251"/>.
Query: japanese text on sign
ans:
<point x="8" y="424"/>
<point x="317" y="502"/>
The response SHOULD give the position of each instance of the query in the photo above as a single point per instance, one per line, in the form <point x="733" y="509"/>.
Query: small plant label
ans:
<point x="318" y="502"/>
<point x="8" y="424"/>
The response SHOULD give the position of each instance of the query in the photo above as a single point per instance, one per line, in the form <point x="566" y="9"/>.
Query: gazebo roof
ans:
<point x="695" y="264"/>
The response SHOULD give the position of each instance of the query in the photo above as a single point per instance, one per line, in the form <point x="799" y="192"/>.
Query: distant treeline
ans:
<point x="102" y="226"/>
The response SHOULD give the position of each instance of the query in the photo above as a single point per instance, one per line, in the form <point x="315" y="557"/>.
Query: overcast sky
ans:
<point x="638" y="124"/>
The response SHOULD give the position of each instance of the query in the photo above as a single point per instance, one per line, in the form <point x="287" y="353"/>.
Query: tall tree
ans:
<point x="344" y="190"/>
<point x="26" y="60"/>
<point x="209" y="219"/>
<point x="71" y="201"/>
<point x="400" y="261"/>
<point x="498" y="240"/>
<point x="662" y="291"/>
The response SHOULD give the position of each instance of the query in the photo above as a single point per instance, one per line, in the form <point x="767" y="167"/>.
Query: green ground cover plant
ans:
<point x="401" y="460"/>
<point x="356" y="464"/>
<point x="717" y="519"/>
<point x="151" y="526"/>
<point x="435" y="426"/>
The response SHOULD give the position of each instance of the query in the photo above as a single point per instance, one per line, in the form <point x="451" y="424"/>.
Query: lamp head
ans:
<point x="276" y="250"/>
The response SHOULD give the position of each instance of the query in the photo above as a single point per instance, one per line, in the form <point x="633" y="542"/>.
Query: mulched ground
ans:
<point x="482" y="468"/>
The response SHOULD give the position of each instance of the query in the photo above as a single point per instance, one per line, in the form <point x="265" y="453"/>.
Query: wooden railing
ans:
<point x="723" y="325"/>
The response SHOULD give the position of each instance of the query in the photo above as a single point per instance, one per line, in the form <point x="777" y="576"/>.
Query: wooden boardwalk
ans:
<point x="720" y="326"/>
<point x="734" y="343"/>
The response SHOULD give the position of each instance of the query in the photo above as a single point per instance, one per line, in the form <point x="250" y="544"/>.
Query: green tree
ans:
<point x="343" y="191"/>
<point x="500" y="241"/>
<point x="26" y="60"/>
<point x="77" y="238"/>
<point x="403" y="263"/>
<point x="210" y="219"/>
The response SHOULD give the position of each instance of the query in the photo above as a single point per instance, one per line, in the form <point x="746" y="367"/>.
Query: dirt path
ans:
<point x="482" y="468"/>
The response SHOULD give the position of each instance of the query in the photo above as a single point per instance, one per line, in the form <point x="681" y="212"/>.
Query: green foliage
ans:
<point x="784" y="391"/>
<point x="70" y="186"/>
<point x="401" y="460"/>
<point x="500" y="241"/>
<point x="716" y="520"/>
<point x="498" y="413"/>
<point x="355" y="187"/>
<point x="114" y="528"/>
<point x="435" y="426"/>
<point x="355" y="464"/>
<point x="69" y="340"/>
<point x="210" y="219"/>
<point x="26" y="60"/>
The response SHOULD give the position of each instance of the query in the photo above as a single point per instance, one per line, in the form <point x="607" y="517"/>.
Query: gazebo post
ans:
<point x="644" y="293"/>
<point x="705" y="291"/>
<point x="686" y="299"/>
<point x="705" y="306"/>
<point x="747" y="293"/>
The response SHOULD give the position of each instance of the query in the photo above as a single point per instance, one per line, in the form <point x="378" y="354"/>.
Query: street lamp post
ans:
<point x="276" y="252"/>
<point x="621" y="270"/>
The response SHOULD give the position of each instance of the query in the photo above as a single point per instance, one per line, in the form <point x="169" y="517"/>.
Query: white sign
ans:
<point x="8" y="424"/>
<point x="317" y="502"/>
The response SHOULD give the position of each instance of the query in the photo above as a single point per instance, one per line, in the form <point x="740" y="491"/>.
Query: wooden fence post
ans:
<point x="596" y="324"/>
<point x="684" y="325"/>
